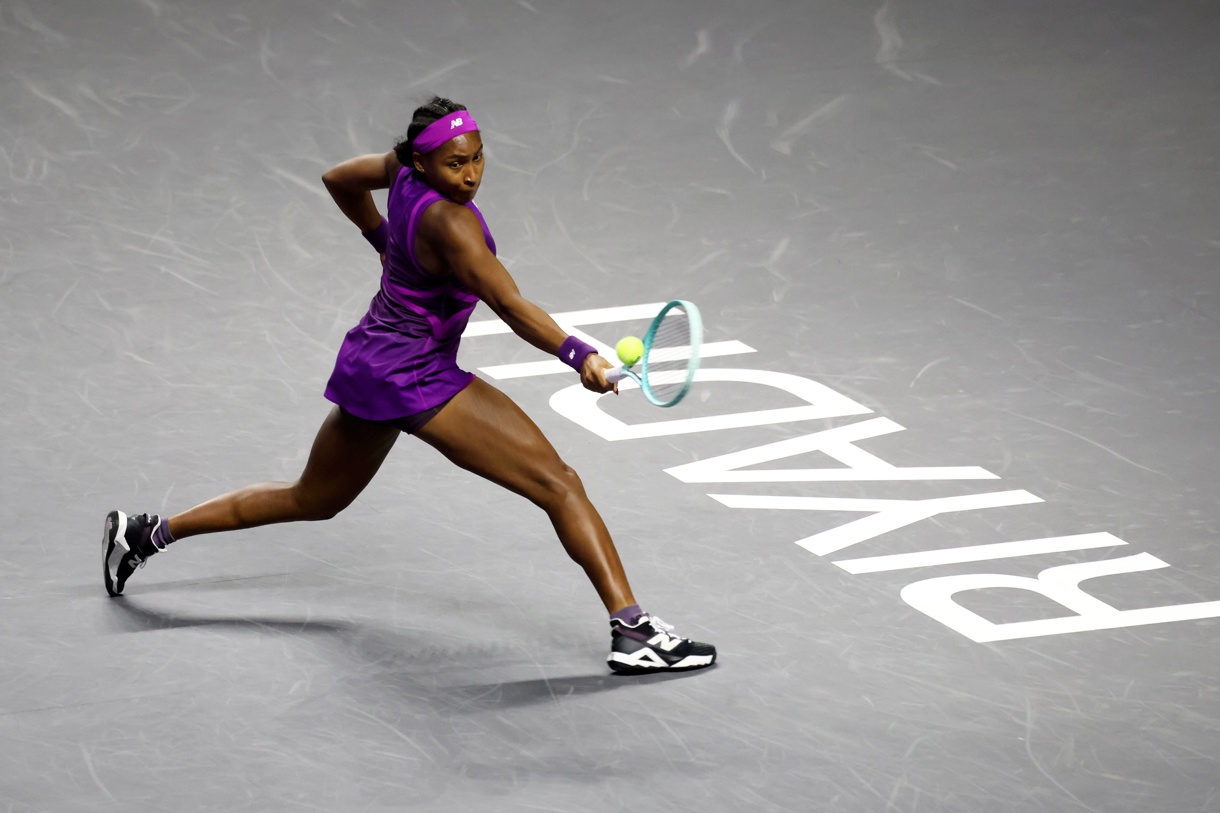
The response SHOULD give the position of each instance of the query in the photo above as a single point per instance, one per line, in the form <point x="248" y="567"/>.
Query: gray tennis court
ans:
<point x="944" y="497"/>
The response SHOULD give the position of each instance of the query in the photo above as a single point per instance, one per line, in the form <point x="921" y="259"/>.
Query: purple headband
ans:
<point x="444" y="129"/>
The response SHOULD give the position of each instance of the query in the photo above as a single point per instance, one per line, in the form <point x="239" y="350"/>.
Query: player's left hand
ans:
<point x="593" y="374"/>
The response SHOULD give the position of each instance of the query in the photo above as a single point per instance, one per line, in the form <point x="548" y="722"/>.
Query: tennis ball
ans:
<point x="630" y="350"/>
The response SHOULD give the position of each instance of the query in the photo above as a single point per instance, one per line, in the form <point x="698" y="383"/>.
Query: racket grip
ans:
<point x="616" y="375"/>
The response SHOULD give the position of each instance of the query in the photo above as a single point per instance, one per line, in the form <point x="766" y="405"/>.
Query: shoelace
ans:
<point x="660" y="625"/>
<point x="142" y="560"/>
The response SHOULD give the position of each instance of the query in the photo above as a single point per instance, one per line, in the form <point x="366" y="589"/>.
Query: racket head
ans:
<point x="671" y="353"/>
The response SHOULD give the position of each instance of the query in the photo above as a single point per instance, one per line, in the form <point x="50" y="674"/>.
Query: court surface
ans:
<point x="959" y="259"/>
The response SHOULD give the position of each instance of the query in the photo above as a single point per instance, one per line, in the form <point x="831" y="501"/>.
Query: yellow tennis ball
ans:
<point x="630" y="350"/>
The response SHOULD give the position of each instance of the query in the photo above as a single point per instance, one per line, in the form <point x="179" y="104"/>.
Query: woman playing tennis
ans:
<point x="397" y="372"/>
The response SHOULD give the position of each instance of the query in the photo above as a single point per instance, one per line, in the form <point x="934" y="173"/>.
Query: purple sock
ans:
<point x="628" y="615"/>
<point x="161" y="535"/>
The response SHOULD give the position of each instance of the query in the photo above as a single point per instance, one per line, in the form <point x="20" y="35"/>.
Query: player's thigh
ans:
<point x="484" y="431"/>
<point x="346" y="453"/>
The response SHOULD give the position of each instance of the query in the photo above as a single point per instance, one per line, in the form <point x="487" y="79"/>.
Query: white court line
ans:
<point x="525" y="369"/>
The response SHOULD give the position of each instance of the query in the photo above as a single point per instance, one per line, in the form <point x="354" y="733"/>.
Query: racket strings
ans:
<point x="668" y="356"/>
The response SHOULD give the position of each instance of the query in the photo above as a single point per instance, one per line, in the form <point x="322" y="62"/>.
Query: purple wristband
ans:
<point x="573" y="352"/>
<point x="378" y="237"/>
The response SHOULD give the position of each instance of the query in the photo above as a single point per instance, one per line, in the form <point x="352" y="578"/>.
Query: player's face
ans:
<point x="455" y="169"/>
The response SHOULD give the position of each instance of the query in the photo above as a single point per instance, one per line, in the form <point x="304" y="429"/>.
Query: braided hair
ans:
<point x="438" y="107"/>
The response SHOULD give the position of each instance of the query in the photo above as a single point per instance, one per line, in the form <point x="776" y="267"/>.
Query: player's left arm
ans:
<point x="456" y="236"/>
<point x="352" y="182"/>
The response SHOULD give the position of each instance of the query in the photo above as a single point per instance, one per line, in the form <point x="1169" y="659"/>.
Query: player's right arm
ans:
<point x="455" y="238"/>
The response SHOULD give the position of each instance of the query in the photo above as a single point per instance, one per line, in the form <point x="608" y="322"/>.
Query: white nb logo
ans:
<point x="666" y="642"/>
<point x="455" y="123"/>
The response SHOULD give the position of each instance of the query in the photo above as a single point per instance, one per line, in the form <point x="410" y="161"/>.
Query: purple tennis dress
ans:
<point x="402" y="357"/>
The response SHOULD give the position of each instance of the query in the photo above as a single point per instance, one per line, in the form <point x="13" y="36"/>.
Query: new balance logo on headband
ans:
<point x="436" y="133"/>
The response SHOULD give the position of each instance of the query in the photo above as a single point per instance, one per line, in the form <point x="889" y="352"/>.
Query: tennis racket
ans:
<point x="671" y="354"/>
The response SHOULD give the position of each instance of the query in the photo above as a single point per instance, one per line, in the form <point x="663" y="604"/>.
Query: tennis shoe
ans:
<point x="126" y="545"/>
<point x="650" y="645"/>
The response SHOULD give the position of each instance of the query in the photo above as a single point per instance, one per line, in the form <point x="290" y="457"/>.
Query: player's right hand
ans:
<point x="593" y="374"/>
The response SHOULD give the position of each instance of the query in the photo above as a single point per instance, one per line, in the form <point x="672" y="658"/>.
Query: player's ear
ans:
<point x="418" y="161"/>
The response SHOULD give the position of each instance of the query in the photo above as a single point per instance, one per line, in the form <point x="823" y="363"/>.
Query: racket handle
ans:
<point x="617" y="374"/>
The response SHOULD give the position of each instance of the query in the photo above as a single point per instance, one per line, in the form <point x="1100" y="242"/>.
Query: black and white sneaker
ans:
<point x="126" y="545"/>
<point x="649" y="645"/>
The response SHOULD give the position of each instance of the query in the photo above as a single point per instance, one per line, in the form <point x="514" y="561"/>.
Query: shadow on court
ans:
<point x="414" y="659"/>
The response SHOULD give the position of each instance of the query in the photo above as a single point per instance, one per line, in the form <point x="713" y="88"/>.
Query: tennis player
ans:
<point x="397" y="372"/>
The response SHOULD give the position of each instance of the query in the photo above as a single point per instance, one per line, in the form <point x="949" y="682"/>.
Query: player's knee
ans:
<point x="558" y="484"/>
<point x="323" y="513"/>
<point x="312" y="507"/>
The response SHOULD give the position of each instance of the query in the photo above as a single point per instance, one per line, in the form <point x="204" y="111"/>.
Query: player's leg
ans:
<point x="346" y="453"/>
<point x="484" y="431"/>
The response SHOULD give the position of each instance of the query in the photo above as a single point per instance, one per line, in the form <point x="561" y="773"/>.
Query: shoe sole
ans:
<point x="687" y="664"/>
<point x="114" y="532"/>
